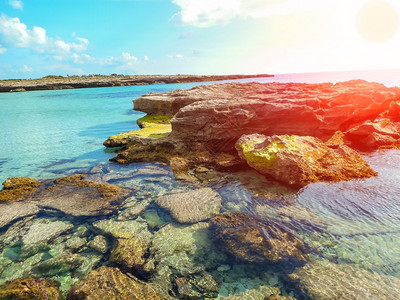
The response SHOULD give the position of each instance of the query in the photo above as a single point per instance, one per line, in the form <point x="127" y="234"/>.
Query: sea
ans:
<point x="351" y="227"/>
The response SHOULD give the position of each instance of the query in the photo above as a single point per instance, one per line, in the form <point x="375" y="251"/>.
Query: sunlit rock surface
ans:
<point x="111" y="283"/>
<point x="324" y="280"/>
<point x="192" y="206"/>
<point x="300" y="160"/>
<point x="30" y="288"/>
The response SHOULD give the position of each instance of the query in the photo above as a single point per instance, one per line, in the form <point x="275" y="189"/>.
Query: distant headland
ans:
<point x="52" y="82"/>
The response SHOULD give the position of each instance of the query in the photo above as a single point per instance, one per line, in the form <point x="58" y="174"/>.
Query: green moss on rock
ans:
<point x="15" y="188"/>
<point x="148" y="121"/>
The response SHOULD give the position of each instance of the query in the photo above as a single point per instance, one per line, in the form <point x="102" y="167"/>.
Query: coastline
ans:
<point x="91" y="81"/>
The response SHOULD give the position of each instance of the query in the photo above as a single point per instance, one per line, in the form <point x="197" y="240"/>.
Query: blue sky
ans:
<point x="61" y="37"/>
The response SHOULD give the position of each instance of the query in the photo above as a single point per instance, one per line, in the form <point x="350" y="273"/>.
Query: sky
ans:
<point x="82" y="37"/>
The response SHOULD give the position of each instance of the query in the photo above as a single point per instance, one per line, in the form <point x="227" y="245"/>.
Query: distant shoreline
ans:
<point x="91" y="81"/>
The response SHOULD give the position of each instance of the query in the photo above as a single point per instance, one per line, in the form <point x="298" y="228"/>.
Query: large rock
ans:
<point x="325" y="280"/>
<point x="30" y="288"/>
<point x="256" y="240"/>
<point x="192" y="206"/>
<point x="221" y="113"/>
<point x="111" y="283"/>
<point x="300" y="160"/>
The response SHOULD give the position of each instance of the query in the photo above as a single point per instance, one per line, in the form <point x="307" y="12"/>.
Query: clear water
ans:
<point x="48" y="134"/>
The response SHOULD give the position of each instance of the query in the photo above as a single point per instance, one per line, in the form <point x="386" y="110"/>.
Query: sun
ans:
<point x="377" y="21"/>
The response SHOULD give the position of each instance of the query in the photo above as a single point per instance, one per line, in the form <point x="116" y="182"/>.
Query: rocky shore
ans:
<point x="91" y="81"/>
<point x="167" y="228"/>
<point x="310" y="129"/>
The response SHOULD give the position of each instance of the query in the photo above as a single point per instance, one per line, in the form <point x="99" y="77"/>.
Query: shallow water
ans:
<point x="50" y="134"/>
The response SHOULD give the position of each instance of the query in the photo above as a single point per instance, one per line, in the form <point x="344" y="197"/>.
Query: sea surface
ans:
<point x="353" y="225"/>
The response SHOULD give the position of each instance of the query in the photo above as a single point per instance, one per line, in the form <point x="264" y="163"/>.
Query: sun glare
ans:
<point x="377" y="21"/>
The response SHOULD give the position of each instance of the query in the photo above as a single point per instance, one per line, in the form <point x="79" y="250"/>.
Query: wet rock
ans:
<point x="12" y="211"/>
<point x="153" y="219"/>
<point x="78" y="197"/>
<point x="75" y="243"/>
<point x="121" y="229"/>
<point x="257" y="240"/>
<point x="99" y="244"/>
<point x="111" y="283"/>
<point x="184" y="250"/>
<point x="197" y="287"/>
<point x="105" y="190"/>
<point x="192" y="206"/>
<point x="63" y="262"/>
<point x="40" y="233"/>
<point x="130" y="254"/>
<point x="16" y="188"/>
<point x="180" y="168"/>
<point x="307" y="158"/>
<point x="133" y="211"/>
<point x="30" y="288"/>
<point x="263" y="292"/>
<point x="132" y="240"/>
<point x="325" y="280"/>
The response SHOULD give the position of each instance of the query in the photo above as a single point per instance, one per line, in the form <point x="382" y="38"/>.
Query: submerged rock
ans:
<point x="256" y="240"/>
<point x="192" y="206"/>
<point x="78" y="197"/>
<point x="30" y="288"/>
<point x="300" y="160"/>
<point x="111" y="283"/>
<point x="324" y="280"/>
<point x="16" y="188"/>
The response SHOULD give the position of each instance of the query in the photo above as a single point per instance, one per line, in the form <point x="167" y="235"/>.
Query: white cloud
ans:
<point x="16" y="4"/>
<point x="207" y="13"/>
<point x="2" y="49"/>
<point x="82" y="59"/>
<point x="128" y="59"/>
<point x="15" y="33"/>
<point x="177" y="56"/>
<point x="146" y="58"/>
<point x="27" y="69"/>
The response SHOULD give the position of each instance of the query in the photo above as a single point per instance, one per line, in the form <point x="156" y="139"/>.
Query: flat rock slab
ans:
<point x="70" y="195"/>
<point x="12" y="211"/>
<point x="193" y="206"/>
<point x="325" y="280"/>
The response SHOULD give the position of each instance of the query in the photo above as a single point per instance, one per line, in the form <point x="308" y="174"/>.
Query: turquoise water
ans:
<point x="48" y="134"/>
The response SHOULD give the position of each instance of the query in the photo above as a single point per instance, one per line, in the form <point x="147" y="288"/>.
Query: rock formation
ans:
<point x="209" y="120"/>
<point x="300" y="160"/>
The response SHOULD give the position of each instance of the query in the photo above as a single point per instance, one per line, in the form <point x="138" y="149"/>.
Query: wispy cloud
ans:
<point x="14" y="33"/>
<point x="207" y="13"/>
<point x="16" y="4"/>
<point x="27" y="69"/>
